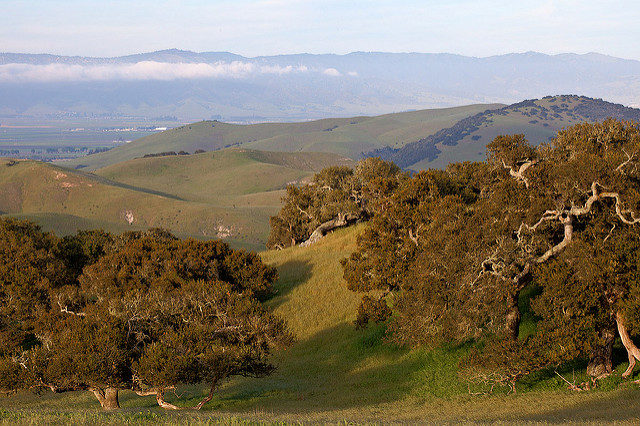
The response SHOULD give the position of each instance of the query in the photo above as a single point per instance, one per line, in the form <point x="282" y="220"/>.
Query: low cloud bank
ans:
<point x="332" y="72"/>
<point x="146" y="70"/>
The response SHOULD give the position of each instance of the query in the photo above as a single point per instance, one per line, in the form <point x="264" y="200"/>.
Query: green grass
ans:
<point x="348" y="136"/>
<point x="336" y="374"/>
<point x="228" y="194"/>
<point x="221" y="177"/>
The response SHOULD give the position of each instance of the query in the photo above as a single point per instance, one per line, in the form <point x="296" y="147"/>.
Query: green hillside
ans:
<point x="538" y="119"/>
<point x="345" y="136"/>
<point x="228" y="194"/>
<point x="335" y="373"/>
<point x="416" y="140"/>
<point x="229" y="177"/>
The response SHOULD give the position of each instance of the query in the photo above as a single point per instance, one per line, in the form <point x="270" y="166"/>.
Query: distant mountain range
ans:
<point x="225" y="86"/>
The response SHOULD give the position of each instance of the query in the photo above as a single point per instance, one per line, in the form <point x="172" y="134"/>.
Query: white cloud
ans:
<point x="146" y="70"/>
<point x="352" y="73"/>
<point x="332" y="72"/>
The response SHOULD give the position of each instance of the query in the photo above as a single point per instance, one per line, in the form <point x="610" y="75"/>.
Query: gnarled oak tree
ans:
<point x="147" y="312"/>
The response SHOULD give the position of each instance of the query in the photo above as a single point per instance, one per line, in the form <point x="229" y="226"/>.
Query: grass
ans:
<point x="221" y="177"/>
<point x="345" y="136"/>
<point x="228" y="194"/>
<point x="337" y="374"/>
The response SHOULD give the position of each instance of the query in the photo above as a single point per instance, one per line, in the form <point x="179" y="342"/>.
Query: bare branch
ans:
<point x="622" y="165"/>
<point x="568" y="236"/>
<point x="609" y="234"/>
<point x="519" y="174"/>
<point x="304" y="212"/>
<point x="572" y="386"/>
<point x="414" y="238"/>
<point x="67" y="311"/>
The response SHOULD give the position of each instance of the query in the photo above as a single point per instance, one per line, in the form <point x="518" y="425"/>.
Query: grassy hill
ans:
<point x="349" y="137"/>
<point x="230" y="177"/>
<point x="538" y="119"/>
<point x="335" y="373"/>
<point x="416" y="140"/>
<point x="228" y="194"/>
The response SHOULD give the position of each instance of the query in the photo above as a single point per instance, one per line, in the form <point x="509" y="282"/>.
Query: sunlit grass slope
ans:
<point x="227" y="177"/>
<point x="228" y="194"/>
<point x="63" y="200"/>
<point x="335" y="373"/>
<point x="345" y="136"/>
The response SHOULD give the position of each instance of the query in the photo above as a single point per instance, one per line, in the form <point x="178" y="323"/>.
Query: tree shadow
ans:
<point x="575" y="372"/>
<point x="290" y="275"/>
<point x="623" y="405"/>
<point x="342" y="368"/>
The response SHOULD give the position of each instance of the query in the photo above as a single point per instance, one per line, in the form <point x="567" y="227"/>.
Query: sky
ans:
<point x="269" y="27"/>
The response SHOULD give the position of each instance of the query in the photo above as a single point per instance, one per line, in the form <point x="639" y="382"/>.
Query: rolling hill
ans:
<point x="228" y="194"/>
<point x="414" y="140"/>
<point x="345" y="136"/>
<point x="539" y="120"/>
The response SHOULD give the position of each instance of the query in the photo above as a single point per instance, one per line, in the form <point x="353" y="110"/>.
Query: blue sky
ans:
<point x="266" y="27"/>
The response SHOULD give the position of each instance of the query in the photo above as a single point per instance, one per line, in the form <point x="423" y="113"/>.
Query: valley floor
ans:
<point x="337" y="374"/>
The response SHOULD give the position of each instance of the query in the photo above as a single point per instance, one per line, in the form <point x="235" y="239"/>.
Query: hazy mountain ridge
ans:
<point x="226" y="86"/>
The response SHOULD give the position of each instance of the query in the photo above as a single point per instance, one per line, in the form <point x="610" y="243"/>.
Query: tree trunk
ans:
<point x="601" y="363"/>
<point x="633" y="352"/>
<point x="164" y="404"/>
<point x="512" y="320"/>
<point x="108" y="398"/>
<point x="208" y="398"/>
<point x="343" y="219"/>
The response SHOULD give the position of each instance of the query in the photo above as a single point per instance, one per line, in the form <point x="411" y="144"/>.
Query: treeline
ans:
<point x="337" y="197"/>
<point x="171" y="153"/>
<point x="143" y="311"/>
<point x="456" y="255"/>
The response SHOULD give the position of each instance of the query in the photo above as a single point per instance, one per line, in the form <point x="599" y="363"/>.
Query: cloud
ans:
<point x="146" y="70"/>
<point x="332" y="72"/>
<point x="352" y="73"/>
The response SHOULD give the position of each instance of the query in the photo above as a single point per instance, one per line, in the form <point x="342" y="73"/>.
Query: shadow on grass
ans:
<point x="623" y="405"/>
<point x="291" y="274"/>
<point x="343" y="368"/>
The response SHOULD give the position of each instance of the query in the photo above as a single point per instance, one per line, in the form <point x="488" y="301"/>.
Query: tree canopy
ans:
<point x="338" y="196"/>
<point x="144" y="311"/>
<point x="449" y="257"/>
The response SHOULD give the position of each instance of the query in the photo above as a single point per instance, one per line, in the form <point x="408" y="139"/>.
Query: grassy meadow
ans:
<point x="337" y="374"/>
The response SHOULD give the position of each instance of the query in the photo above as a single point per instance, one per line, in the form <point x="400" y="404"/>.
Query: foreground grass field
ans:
<point x="337" y="374"/>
